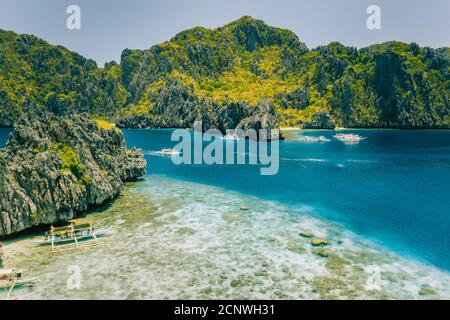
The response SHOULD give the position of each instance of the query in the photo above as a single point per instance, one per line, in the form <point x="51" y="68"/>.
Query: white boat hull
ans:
<point x="57" y="240"/>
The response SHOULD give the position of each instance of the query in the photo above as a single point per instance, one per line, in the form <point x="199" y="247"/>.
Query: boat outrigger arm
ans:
<point x="12" y="278"/>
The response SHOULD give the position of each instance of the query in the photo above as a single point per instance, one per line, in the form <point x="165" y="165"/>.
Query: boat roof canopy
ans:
<point x="71" y="227"/>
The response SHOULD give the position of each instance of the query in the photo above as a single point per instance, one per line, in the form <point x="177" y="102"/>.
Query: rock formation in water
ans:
<point x="53" y="168"/>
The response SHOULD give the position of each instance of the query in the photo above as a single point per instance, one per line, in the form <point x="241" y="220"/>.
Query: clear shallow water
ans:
<point x="182" y="234"/>
<point x="4" y="133"/>
<point x="181" y="240"/>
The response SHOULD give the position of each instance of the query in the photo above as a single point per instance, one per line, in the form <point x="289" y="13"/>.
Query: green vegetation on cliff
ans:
<point x="205" y="74"/>
<point x="70" y="162"/>
<point x="35" y="75"/>
<point x="55" y="167"/>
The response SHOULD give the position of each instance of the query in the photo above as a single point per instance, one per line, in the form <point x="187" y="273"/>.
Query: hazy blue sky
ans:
<point x="109" y="26"/>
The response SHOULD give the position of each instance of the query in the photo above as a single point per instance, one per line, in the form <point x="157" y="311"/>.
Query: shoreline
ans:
<point x="290" y="129"/>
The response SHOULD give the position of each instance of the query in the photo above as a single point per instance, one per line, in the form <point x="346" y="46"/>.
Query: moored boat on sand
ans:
<point x="79" y="236"/>
<point x="10" y="278"/>
<point x="72" y="236"/>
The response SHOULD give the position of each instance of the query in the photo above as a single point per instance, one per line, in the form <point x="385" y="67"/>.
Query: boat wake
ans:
<point x="314" y="139"/>
<point x="305" y="160"/>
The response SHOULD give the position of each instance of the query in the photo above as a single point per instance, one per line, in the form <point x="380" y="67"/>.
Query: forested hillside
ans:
<point x="36" y="75"/>
<point x="245" y="74"/>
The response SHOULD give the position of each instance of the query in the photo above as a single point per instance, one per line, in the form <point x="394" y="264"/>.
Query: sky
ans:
<point x="109" y="26"/>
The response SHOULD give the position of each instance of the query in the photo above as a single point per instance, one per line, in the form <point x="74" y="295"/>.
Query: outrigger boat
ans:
<point x="231" y="137"/>
<point x="349" y="138"/>
<point x="168" y="152"/>
<point x="73" y="236"/>
<point x="10" y="278"/>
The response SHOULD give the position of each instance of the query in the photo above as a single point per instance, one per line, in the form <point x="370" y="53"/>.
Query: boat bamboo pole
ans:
<point x="52" y="238"/>
<point x="74" y="236"/>
<point x="11" y="289"/>
<point x="2" y="256"/>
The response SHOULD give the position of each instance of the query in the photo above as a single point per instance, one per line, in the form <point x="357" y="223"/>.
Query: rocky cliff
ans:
<point x="390" y="85"/>
<point x="178" y="107"/>
<point x="53" y="168"/>
<point x="212" y="71"/>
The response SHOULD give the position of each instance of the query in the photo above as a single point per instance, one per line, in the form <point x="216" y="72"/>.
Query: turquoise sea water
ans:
<point x="182" y="233"/>
<point x="392" y="187"/>
<point x="4" y="132"/>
